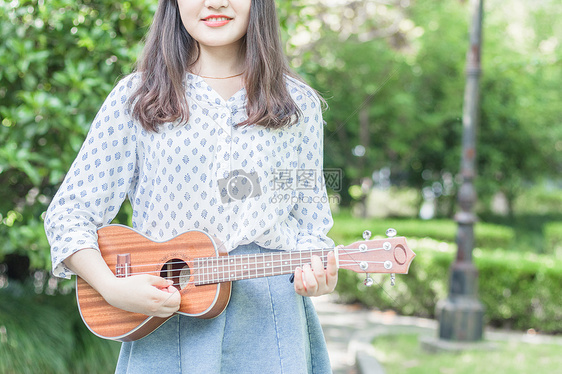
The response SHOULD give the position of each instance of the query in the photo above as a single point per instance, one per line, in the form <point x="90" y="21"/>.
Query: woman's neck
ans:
<point x="218" y="62"/>
<point x="221" y="68"/>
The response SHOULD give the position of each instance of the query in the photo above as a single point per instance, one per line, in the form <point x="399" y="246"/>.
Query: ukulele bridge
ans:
<point x="123" y="266"/>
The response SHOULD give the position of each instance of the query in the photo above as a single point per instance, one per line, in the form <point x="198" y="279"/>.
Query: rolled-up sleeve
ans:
<point x="312" y="209"/>
<point x="97" y="183"/>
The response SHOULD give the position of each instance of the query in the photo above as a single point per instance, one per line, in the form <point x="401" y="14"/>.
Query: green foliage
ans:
<point x="537" y="207"/>
<point x="518" y="290"/>
<point x="488" y="236"/>
<point x="401" y="97"/>
<point x="59" y="60"/>
<point x="553" y="238"/>
<point x="540" y="200"/>
<point x="353" y="84"/>
<point x="44" y="334"/>
<point x="33" y="340"/>
<point x="517" y="284"/>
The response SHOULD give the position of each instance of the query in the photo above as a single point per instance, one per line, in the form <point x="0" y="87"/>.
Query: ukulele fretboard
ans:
<point x="230" y="268"/>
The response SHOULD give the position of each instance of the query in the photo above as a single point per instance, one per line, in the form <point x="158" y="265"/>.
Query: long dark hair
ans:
<point x="170" y="51"/>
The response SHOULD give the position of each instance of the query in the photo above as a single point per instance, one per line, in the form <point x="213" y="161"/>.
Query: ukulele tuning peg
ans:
<point x="391" y="233"/>
<point x="392" y="279"/>
<point x="368" y="281"/>
<point x="366" y="235"/>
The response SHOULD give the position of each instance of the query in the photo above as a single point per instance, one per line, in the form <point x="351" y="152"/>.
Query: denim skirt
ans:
<point x="266" y="329"/>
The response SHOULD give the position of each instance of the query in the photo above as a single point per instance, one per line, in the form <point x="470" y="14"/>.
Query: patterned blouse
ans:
<point x="238" y="184"/>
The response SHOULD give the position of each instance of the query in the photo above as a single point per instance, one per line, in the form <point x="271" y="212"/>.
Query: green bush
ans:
<point x="539" y="199"/>
<point x="518" y="290"/>
<point x="414" y="294"/>
<point x="553" y="238"/>
<point x="521" y="291"/>
<point x="59" y="61"/>
<point x="349" y="229"/>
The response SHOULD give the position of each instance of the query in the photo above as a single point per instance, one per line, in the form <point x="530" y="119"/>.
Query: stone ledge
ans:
<point x="435" y="345"/>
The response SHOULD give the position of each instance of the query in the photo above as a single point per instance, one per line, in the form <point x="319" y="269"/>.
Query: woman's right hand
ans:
<point x="145" y="294"/>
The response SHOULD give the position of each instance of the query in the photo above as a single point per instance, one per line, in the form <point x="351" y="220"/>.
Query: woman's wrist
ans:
<point x="88" y="264"/>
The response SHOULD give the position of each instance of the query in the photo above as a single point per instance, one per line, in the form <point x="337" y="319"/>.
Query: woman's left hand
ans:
<point x="314" y="280"/>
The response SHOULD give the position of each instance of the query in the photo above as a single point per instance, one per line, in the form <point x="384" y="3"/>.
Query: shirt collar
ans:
<point x="204" y="94"/>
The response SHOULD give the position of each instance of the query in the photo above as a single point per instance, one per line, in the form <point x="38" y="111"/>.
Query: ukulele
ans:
<point x="203" y="273"/>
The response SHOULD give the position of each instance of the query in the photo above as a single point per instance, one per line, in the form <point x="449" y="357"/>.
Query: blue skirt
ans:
<point x="266" y="329"/>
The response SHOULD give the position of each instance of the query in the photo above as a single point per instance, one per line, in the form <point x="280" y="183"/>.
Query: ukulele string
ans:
<point x="323" y="257"/>
<point x="225" y="272"/>
<point x="346" y="264"/>
<point x="272" y="263"/>
<point x="226" y="277"/>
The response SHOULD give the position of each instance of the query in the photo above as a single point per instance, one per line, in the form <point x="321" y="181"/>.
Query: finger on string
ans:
<point x="319" y="273"/>
<point x="331" y="265"/>
<point x="300" y="285"/>
<point x="310" y="279"/>
<point x="332" y="272"/>
<point x="175" y="305"/>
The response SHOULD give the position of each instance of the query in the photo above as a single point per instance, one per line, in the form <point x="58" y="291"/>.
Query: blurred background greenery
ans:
<point x="392" y="73"/>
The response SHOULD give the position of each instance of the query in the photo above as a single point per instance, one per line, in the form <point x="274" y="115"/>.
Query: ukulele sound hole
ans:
<point x="178" y="271"/>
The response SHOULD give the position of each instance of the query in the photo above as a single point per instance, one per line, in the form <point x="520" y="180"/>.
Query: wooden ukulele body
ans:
<point x="147" y="256"/>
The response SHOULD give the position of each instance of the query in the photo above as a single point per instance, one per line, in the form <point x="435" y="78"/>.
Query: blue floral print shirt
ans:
<point x="239" y="184"/>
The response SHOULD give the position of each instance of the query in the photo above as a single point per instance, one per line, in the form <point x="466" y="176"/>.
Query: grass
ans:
<point x="403" y="354"/>
<point x="44" y="334"/>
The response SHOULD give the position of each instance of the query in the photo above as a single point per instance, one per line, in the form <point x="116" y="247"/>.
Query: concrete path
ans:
<point x="349" y="330"/>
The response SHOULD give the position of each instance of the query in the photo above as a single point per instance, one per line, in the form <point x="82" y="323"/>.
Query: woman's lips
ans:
<point x="216" y="21"/>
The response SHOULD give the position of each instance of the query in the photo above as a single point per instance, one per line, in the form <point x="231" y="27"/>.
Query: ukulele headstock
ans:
<point x="389" y="255"/>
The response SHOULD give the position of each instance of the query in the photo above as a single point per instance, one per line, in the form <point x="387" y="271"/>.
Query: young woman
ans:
<point x="212" y="101"/>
